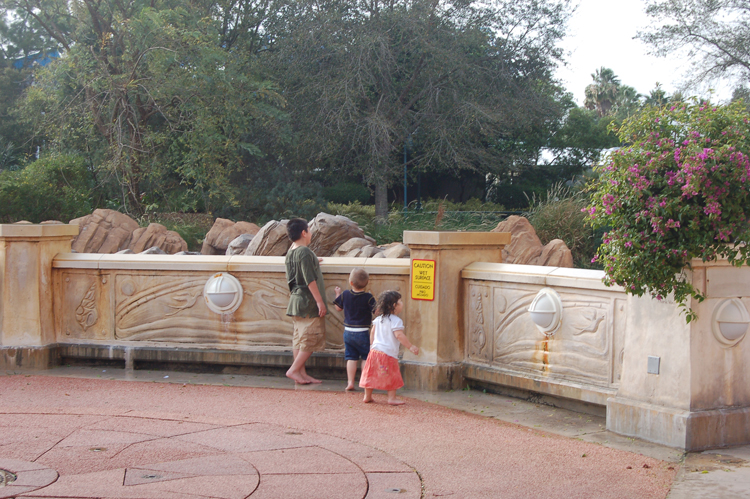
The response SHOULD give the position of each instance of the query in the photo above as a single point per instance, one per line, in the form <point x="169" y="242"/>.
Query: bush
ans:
<point x="55" y="187"/>
<point x="561" y="216"/>
<point x="192" y="227"/>
<point x="679" y="191"/>
<point x="346" y="192"/>
<point x="435" y="215"/>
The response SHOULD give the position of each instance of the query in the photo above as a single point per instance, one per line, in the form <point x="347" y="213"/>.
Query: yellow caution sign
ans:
<point x="423" y="279"/>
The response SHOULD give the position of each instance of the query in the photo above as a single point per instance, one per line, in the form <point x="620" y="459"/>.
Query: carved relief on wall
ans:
<point x="581" y="348"/>
<point x="86" y="314"/>
<point x="83" y="309"/>
<point x="478" y="342"/>
<point x="171" y="308"/>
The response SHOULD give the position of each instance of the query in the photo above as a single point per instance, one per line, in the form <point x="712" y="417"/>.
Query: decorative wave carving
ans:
<point x="477" y="328"/>
<point x="86" y="314"/>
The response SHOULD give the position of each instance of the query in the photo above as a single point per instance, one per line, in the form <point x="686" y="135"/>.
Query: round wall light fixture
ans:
<point x="546" y="311"/>
<point x="223" y="293"/>
<point x="730" y="321"/>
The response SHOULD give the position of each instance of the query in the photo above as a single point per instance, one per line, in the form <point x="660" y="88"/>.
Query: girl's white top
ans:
<point x="385" y="340"/>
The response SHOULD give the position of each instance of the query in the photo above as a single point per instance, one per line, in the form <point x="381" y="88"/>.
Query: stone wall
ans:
<point x="159" y="299"/>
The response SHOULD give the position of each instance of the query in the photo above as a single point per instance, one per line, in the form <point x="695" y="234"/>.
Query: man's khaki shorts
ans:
<point x="309" y="334"/>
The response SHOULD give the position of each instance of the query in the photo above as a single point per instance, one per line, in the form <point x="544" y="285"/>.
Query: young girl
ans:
<point x="381" y="369"/>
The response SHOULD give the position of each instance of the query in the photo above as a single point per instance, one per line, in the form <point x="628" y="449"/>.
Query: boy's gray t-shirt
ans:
<point x="302" y="268"/>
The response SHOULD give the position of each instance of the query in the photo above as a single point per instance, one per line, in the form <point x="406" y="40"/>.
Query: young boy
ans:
<point x="358" y="307"/>
<point x="307" y="306"/>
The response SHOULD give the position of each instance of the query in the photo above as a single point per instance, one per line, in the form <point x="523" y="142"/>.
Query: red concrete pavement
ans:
<point x="86" y="438"/>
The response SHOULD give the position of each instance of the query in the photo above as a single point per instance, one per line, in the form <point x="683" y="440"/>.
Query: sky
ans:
<point x="600" y="33"/>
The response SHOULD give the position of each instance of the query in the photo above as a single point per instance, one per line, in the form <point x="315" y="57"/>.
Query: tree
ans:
<point x="716" y="34"/>
<point x="657" y="97"/>
<point x="151" y="91"/>
<point x="602" y="94"/>
<point x="463" y="82"/>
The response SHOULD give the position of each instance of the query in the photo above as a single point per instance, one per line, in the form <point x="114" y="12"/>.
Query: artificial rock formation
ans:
<point x="156" y="236"/>
<point x="104" y="231"/>
<point x="271" y="240"/>
<point x="224" y="232"/>
<point x="525" y="248"/>
<point x="329" y="232"/>
<point x="239" y="244"/>
<point x="109" y="231"/>
<point x="352" y="247"/>
<point x="396" y="250"/>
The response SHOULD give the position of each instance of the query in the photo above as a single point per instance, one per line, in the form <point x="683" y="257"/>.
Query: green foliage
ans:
<point x="680" y="191"/>
<point x="561" y="215"/>
<point x="346" y="192"/>
<point x="55" y="187"/>
<point x="192" y="227"/>
<point x="436" y="215"/>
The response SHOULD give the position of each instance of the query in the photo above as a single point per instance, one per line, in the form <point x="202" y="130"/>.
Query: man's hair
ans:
<point x="359" y="278"/>
<point x="295" y="227"/>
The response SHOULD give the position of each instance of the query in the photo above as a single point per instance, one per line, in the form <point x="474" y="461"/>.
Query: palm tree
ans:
<point x="657" y="97"/>
<point x="602" y="94"/>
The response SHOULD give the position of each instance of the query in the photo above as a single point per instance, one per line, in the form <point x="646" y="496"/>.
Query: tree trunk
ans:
<point x="381" y="201"/>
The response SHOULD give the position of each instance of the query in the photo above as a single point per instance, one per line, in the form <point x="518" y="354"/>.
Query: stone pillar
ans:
<point x="26" y="294"/>
<point x="436" y="326"/>
<point x="699" y="396"/>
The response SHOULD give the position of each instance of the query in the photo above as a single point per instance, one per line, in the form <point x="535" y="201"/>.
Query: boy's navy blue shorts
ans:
<point x="356" y="344"/>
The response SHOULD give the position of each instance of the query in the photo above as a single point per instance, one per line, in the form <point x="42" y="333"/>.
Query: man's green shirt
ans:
<point x="302" y="268"/>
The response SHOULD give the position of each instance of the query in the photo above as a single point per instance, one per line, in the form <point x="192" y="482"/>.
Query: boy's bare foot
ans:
<point x="297" y="378"/>
<point x="350" y="387"/>
<point x="396" y="402"/>
<point x="368" y="400"/>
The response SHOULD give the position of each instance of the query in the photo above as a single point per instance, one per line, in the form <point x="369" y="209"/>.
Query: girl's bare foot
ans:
<point x="310" y="379"/>
<point x="396" y="402"/>
<point x="350" y="387"/>
<point x="367" y="399"/>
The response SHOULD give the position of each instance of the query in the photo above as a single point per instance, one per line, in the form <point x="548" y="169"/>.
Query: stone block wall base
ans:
<point x="432" y="377"/>
<point x="271" y="362"/>
<point x="688" y="430"/>
<point x="42" y="357"/>
<point x="590" y="395"/>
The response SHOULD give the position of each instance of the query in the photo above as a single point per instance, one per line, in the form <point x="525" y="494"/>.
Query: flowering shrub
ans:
<point x="679" y="191"/>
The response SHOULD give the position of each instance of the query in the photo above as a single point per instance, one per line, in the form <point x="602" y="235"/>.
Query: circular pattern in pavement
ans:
<point x="140" y="457"/>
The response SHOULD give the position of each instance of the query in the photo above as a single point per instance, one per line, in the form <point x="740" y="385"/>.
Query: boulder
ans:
<point x="355" y="243"/>
<point x="104" y="231"/>
<point x="156" y="235"/>
<point x="239" y="244"/>
<point x="525" y="248"/>
<point x="271" y="240"/>
<point x="126" y="251"/>
<point x="370" y="251"/>
<point x="224" y="232"/>
<point x="331" y="231"/>
<point x="153" y="250"/>
<point x="556" y="254"/>
<point x="190" y="253"/>
<point x="397" y="250"/>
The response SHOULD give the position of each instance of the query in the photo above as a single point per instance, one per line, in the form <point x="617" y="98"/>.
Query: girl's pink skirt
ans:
<point x="381" y="372"/>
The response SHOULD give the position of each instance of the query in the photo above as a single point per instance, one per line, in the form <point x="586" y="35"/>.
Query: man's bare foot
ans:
<point x="396" y="402"/>
<point x="368" y="400"/>
<point x="350" y="387"/>
<point x="297" y="378"/>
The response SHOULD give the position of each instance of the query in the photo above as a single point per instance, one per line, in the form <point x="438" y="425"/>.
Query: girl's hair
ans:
<point x="387" y="302"/>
